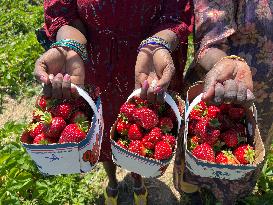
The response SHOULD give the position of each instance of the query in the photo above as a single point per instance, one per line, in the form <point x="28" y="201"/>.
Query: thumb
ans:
<point x="40" y="72"/>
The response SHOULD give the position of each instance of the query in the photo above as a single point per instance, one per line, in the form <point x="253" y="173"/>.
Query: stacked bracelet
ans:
<point x="73" y="45"/>
<point x="154" y="40"/>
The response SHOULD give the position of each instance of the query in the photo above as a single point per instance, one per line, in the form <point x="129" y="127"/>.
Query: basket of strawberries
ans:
<point x="64" y="136"/>
<point x="143" y="138"/>
<point x="220" y="141"/>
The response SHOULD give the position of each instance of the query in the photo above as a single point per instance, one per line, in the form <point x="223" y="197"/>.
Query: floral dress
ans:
<point x="115" y="28"/>
<point x="243" y="28"/>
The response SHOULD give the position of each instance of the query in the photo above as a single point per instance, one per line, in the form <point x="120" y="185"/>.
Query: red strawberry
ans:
<point x="212" y="111"/>
<point x="170" y="139"/>
<point x="191" y="126"/>
<point x="36" y="129"/>
<point x="79" y="104"/>
<point x="231" y="138"/>
<point x="202" y="105"/>
<point x="152" y="138"/>
<point x="26" y="138"/>
<point x="134" y="132"/>
<point x="225" y="108"/>
<point x="42" y="139"/>
<point x="42" y="102"/>
<point x="137" y="147"/>
<point x="54" y="126"/>
<point x="166" y="124"/>
<point x="123" y="127"/>
<point x="146" y="118"/>
<point x="162" y="150"/>
<point x="127" y="110"/>
<point x="195" y="114"/>
<point x="245" y="154"/>
<point x="123" y="143"/>
<point x="63" y="110"/>
<point x="194" y="141"/>
<point x="240" y="129"/>
<point x="204" y="151"/>
<point x="236" y="113"/>
<point x="78" y="117"/>
<point x="139" y="101"/>
<point x="213" y="136"/>
<point x="73" y="133"/>
<point x="225" y="157"/>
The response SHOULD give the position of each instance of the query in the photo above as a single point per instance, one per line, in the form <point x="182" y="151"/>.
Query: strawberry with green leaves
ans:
<point x="166" y="124"/>
<point x="63" y="110"/>
<point x="198" y="111"/>
<point x="137" y="147"/>
<point x="152" y="138"/>
<point x="205" y="152"/>
<point x="194" y="141"/>
<point x="43" y="103"/>
<point x="226" y="157"/>
<point x="245" y="154"/>
<point x="123" y="143"/>
<point x="127" y="110"/>
<point x="78" y="117"/>
<point x="123" y="127"/>
<point x="74" y="132"/>
<point x="139" y="102"/>
<point x="35" y="129"/>
<point x="54" y="125"/>
<point x="212" y="112"/>
<point x="26" y="138"/>
<point x="163" y="150"/>
<point x="169" y="139"/>
<point x="135" y="132"/>
<point x="42" y="139"/>
<point x="146" y="118"/>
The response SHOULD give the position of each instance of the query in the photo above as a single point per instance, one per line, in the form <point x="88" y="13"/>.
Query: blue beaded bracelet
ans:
<point x="154" y="40"/>
<point x="79" y="48"/>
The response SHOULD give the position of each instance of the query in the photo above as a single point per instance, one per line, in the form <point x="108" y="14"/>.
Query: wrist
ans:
<point x="211" y="57"/>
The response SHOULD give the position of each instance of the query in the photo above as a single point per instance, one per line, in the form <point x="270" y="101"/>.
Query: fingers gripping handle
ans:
<point x="170" y="102"/>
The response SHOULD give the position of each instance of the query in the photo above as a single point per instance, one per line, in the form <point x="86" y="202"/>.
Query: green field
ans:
<point x="20" y="181"/>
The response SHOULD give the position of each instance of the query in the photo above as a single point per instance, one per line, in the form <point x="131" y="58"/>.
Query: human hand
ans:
<point x="153" y="72"/>
<point x="230" y="80"/>
<point x="57" y="68"/>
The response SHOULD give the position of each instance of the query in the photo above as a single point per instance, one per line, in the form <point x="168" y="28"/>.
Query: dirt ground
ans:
<point x="161" y="191"/>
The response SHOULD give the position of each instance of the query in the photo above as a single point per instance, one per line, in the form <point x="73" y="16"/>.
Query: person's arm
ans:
<point x="228" y="79"/>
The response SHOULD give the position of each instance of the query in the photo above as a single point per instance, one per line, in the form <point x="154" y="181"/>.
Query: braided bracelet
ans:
<point x="79" y="48"/>
<point x="154" y="40"/>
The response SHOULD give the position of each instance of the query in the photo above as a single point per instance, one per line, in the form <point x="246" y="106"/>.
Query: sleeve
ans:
<point x="214" y="22"/>
<point x="177" y="16"/>
<point x="58" y="13"/>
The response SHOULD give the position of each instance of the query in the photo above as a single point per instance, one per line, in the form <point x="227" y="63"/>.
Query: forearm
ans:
<point x="212" y="56"/>
<point x="75" y="31"/>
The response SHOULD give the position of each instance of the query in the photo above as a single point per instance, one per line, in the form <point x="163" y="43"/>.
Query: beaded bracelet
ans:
<point x="154" y="40"/>
<point x="233" y="57"/>
<point x="73" y="45"/>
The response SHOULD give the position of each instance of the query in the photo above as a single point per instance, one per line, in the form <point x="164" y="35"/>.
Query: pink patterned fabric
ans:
<point x="115" y="29"/>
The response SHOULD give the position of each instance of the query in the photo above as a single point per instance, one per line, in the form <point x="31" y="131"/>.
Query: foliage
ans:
<point x="18" y="45"/>
<point x="21" y="182"/>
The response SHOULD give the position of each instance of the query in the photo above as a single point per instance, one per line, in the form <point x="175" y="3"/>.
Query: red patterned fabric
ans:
<point x="115" y="29"/>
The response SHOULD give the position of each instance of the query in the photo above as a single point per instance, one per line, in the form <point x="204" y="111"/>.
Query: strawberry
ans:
<point x="36" y="129"/>
<point x="170" y="113"/>
<point x="139" y="102"/>
<point x="162" y="150"/>
<point x="195" y="114"/>
<point x="194" y="141"/>
<point x="201" y="128"/>
<point x="202" y="105"/>
<point x="236" y="113"/>
<point x="78" y="117"/>
<point x="137" y="147"/>
<point x="212" y="111"/>
<point x="191" y="126"/>
<point x="63" y="110"/>
<point x="230" y="137"/>
<point x="160" y="109"/>
<point x="127" y="110"/>
<point x="123" y="127"/>
<point x="74" y="133"/>
<point x="54" y="125"/>
<point x="225" y="157"/>
<point x="123" y="143"/>
<point x="42" y="139"/>
<point x="26" y="138"/>
<point x="79" y="104"/>
<point x="146" y="118"/>
<point x="224" y="108"/>
<point x="240" y="129"/>
<point x="204" y="151"/>
<point x="42" y="102"/>
<point x="166" y="124"/>
<point x="245" y="154"/>
<point x="134" y="132"/>
<point x="37" y="114"/>
<point x="170" y="139"/>
<point x="152" y="138"/>
<point x="213" y="136"/>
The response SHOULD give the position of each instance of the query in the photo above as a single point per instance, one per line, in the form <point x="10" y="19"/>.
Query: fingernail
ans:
<point x="145" y="85"/>
<point x="158" y="89"/>
<point x="67" y="77"/>
<point x="43" y="79"/>
<point x="51" y="77"/>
